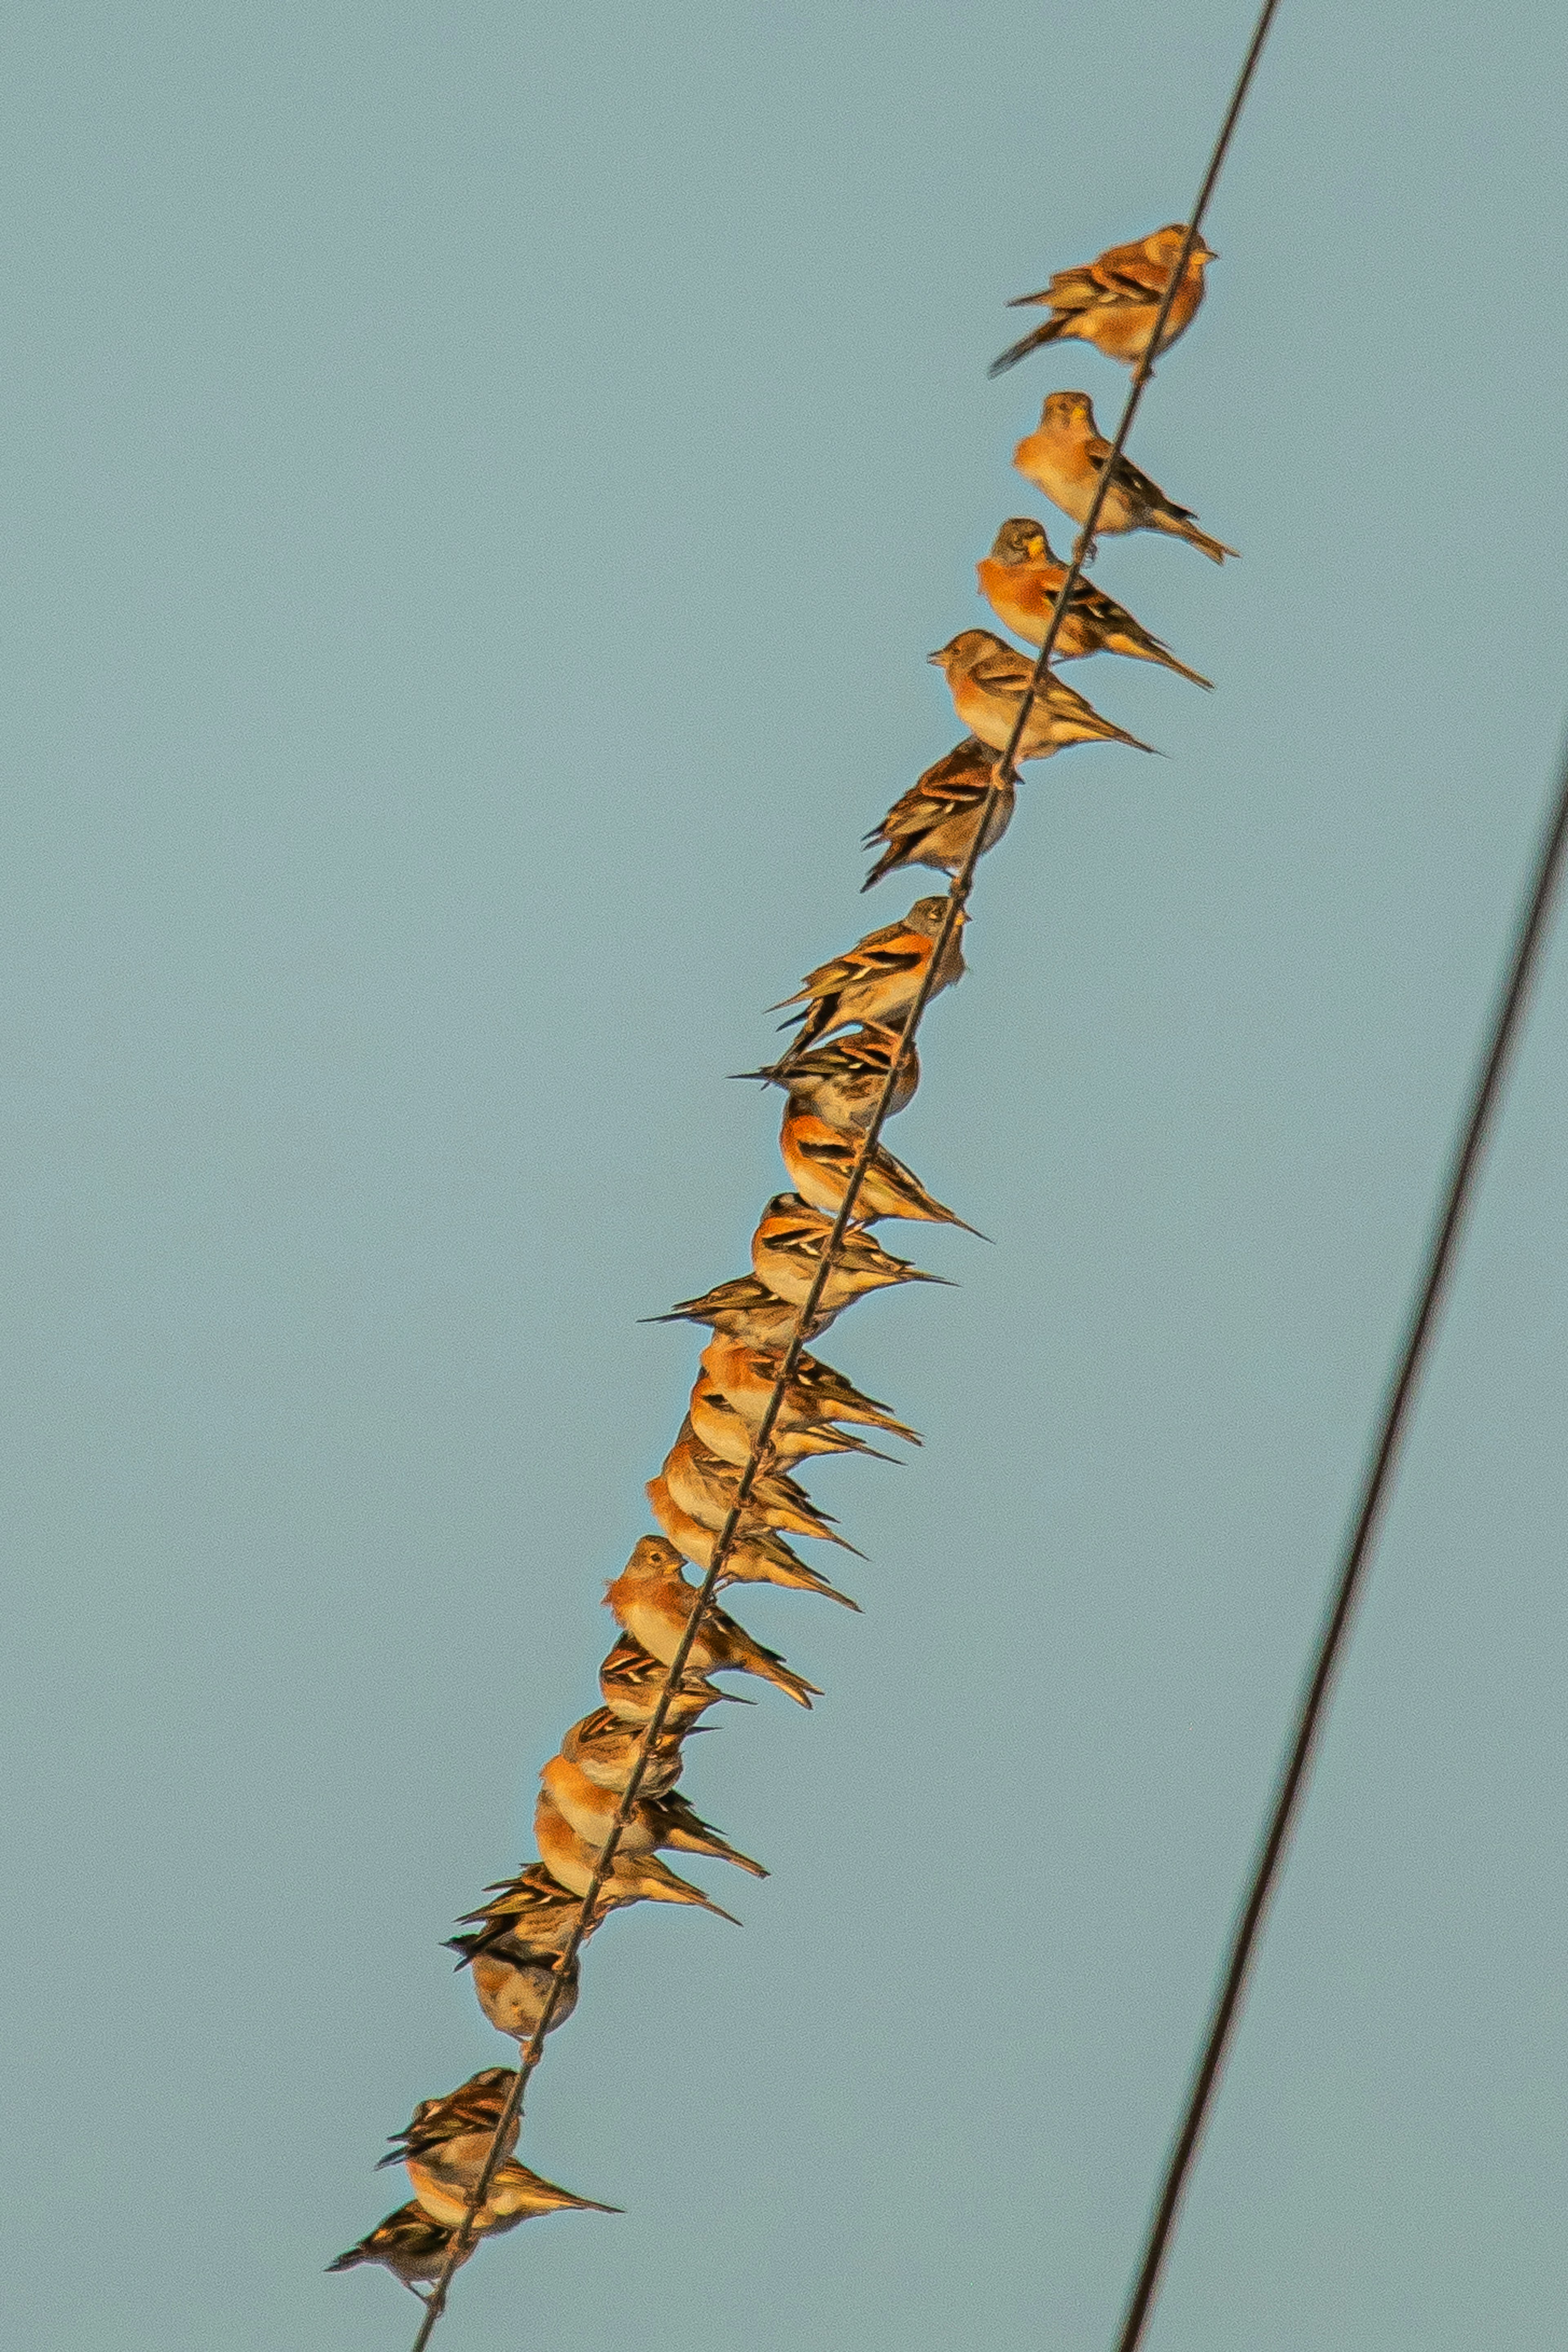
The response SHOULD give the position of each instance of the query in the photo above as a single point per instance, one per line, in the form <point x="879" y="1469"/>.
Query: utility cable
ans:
<point x="1003" y="774"/>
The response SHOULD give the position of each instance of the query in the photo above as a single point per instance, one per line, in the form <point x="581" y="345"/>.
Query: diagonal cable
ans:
<point x="1529" y="937"/>
<point x="1004" y="773"/>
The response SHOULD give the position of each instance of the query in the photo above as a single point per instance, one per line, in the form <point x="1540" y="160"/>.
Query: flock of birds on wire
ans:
<point x="849" y="1027"/>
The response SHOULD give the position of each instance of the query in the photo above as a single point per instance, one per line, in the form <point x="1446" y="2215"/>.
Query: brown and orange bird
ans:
<point x="844" y="1080"/>
<point x="746" y="1376"/>
<point x="1022" y="580"/>
<point x="541" y="1913"/>
<point x="1113" y="302"/>
<point x="935" y="821"/>
<point x="704" y="1485"/>
<point x="787" y="1250"/>
<point x="630" y="1680"/>
<point x="515" y="2195"/>
<point x="632" y="1877"/>
<point x="453" y="2135"/>
<point x="725" y="1431"/>
<point x="512" y="1979"/>
<point x="757" y="1555"/>
<point x="652" y="1602"/>
<point x="988" y="678"/>
<point x="822" y="1158"/>
<point x="877" y="980"/>
<point x="411" y="2245"/>
<point x="608" y="1751"/>
<point x="652" y="1822"/>
<point x="1065" y="457"/>
<point x="746" y="1309"/>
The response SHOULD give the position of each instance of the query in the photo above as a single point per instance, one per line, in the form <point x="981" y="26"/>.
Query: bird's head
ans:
<point x="1021" y="539"/>
<point x="1067" y="412"/>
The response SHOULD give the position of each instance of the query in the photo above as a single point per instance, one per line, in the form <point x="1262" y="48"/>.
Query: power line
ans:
<point x="1528" y="937"/>
<point x="1004" y="773"/>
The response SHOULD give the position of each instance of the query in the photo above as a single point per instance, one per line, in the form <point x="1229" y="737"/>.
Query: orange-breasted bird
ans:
<point x="746" y="1376"/>
<point x="704" y="1485"/>
<point x="631" y="1878"/>
<point x="1022" y="579"/>
<point x="652" y="1822"/>
<point x="935" y="821"/>
<point x="877" y="980"/>
<point x="1113" y="301"/>
<point x="822" y="1158"/>
<point x="746" y="1309"/>
<point x="988" y="678"/>
<point x="726" y="1431"/>
<point x="608" y="1750"/>
<point x="515" y="2194"/>
<point x="787" y="1250"/>
<point x="843" y="1080"/>
<point x="512" y="1979"/>
<point x="757" y="1555"/>
<point x="453" y="2135"/>
<point x="1065" y="457"/>
<point x="631" y="1679"/>
<point x="652" y="1602"/>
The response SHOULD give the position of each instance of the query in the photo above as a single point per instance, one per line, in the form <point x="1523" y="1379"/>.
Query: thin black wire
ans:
<point x="1529" y="934"/>
<point x="1004" y="773"/>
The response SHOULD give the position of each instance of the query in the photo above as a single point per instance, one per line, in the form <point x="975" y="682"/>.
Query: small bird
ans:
<point x="724" y="1431"/>
<point x="746" y="1309"/>
<point x="746" y="1376"/>
<point x="935" y="821"/>
<point x="453" y="2134"/>
<point x="632" y="1877"/>
<point x="757" y="1555"/>
<point x="652" y="1601"/>
<point x="704" y="1485"/>
<point x="516" y="2194"/>
<point x="630" y="1680"/>
<point x="512" y="1980"/>
<point x="540" y="1912"/>
<point x="409" y="2244"/>
<point x="988" y="678"/>
<point x="669" y="1821"/>
<point x="821" y="1157"/>
<point x="1113" y="302"/>
<point x="787" y="1250"/>
<point x="1022" y="580"/>
<point x="844" y="1080"/>
<point x="877" y="980"/>
<point x="609" y="1750"/>
<point x="1065" y="457"/>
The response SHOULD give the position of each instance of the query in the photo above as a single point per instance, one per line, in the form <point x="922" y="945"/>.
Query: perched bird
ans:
<point x="1065" y="457"/>
<point x="1113" y="302"/>
<point x="541" y="1914"/>
<point x="746" y="1376"/>
<point x="787" y="1250"/>
<point x="757" y="1555"/>
<point x="988" y="678"/>
<point x="935" y="821"/>
<point x="631" y="1679"/>
<point x="608" y="1751"/>
<point x="512" y="1980"/>
<point x="746" y="1310"/>
<point x="652" y="1601"/>
<point x="632" y="1877"/>
<point x="409" y="2244"/>
<point x="704" y="1485"/>
<point x="877" y="980"/>
<point x="654" y="1823"/>
<point x="725" y="1431"/>
<point x="821" y="1157"/>
<point x="515" y="2195"/>
<point x="453" y="2135"/>
<point x="844" y="1080"/>
<point x="1022" y="580"/>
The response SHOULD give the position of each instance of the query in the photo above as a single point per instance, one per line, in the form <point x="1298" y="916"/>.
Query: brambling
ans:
<point x="1065" y="457"/>
<point x="987" y="680"/>
<point x="745" y="1310"/>
<point x="651" y="1823"/>
<point x="787" y="1249"/>
<point x="820" y="1158"/>
<point x="630" y="1878"/>
<point x="512" y="1980"/>
<point x="746" y="1377"/>
<point x="935" y="821"/>
<point x="725" y="1431"/>
<point x="652" y="1602"/>
<point x="844" y="1080"/>
<point x="539" y="1911"/>
<point x="1113" y="302"/>
<point x="515" y="2195"/>
<point x="757" y="1555"/>
<point x="630" y="1680"/>
<point x="608" y="1751"/>
<point x="877" y="980"/>
<point x="409" y="2244"/>
<point x="1022" y="580"/>
<point x="453" y="2135"/>
<point x="704" y="1485"/>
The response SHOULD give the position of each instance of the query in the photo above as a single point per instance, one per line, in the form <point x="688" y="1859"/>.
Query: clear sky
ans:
<point x="479" y="484"/>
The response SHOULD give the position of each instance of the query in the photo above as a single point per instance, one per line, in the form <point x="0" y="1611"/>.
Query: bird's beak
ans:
<point x="938" y="658"/>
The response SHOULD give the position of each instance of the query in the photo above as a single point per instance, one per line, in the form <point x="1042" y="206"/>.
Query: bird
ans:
<point x="1065" y="457"/>
<point x="704" y="1485"/>
<point x="787" y="1250"/>
<point x="1114" y="300"/>
<point x="988" y="678"/>
<point x="541" y="1914"/>
<point x="453" y="2134"/>
<point x="409" y="2244"/>
<point x="746" y="1310"/>
<point x="822" y="1160"/>
<point x="935" y="821"/>
<point x="513" y="1980"/>
<point x="610" y="1750"/>
<point x="630" y="1680"/>
<point x="746" y="1376"/>
<point x="652" y="1822"/>
<point x="515" y="2195"/>
<point x="878" y="978"/>
<point x="652" y="1602"/>
<point x="1022" y="580"/>
<point x="755" y="1554"/>
<point x="844" y="1080"/>
<point x="630" y="1878"/>
<point x="726" y="1431"/>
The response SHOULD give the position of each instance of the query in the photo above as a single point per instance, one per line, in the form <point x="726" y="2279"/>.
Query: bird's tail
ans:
<point x="1183" y="527"/>
<point x="661" y="1883"/>
<point x="1031" y="342"/>
<point x="774" y="1670"/>
<point x="891" y="856"/>
<point x="1156" y="652"/>
<point x="351" y="2260"/>
<point x="717" y="1849"/>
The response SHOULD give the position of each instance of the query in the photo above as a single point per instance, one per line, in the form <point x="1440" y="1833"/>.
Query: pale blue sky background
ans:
<point x="479" y="482"/>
